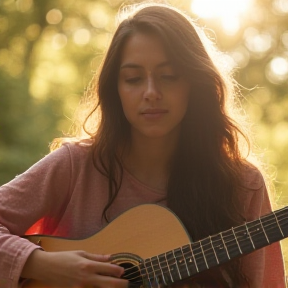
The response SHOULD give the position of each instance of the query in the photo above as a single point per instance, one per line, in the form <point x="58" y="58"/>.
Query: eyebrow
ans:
<point x="136" y="66"/>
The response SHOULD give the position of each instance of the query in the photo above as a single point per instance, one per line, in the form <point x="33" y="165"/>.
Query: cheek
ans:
<point x="182" y="102"/>
<point x="128" y="105"/>
<point x="130" y="97"/>
<point x="123" y="98"/>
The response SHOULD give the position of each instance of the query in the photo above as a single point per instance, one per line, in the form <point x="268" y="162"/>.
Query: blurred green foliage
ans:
<point x="49" y="50"/>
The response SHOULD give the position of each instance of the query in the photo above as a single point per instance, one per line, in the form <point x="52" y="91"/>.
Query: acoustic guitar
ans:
<point x="153" y="246"/>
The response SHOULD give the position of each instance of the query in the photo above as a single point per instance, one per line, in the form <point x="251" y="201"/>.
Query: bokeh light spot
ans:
<point x="280" y="6"/>
<point x="241" y="56"/>
<point x="32" y="32"/>
<point x="258" y="43"/>
<point x="230" y="24"/>
<point x="71" y="24"/>
<point x="24" y="5"/>
<point x="39" y="88"/>
<point x="277" y="70"/>
<point x="59" y="41"/>
<point x="98" y="18"/>
<point x="54" y="16"/>
<point x="81" y="37"/>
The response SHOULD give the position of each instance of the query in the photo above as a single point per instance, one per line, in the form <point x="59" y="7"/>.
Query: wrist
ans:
<point x="34" y="265"/>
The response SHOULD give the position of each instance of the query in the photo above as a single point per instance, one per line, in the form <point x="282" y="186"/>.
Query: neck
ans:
<point x="149" y="159"/>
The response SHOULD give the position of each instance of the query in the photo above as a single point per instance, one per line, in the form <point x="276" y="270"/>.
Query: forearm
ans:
<point x="35" y="265"/>
<point x="14" y="252"/>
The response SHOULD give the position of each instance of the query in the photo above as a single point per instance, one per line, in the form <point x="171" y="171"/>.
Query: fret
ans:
<point x="195" y="263"/>
<point x="176" y="264"/>
<point x="144" y="275"/>
<point x="158" y="276"/>
<point x="231" y="244"/>
<point x="236" y="240"/>
<point x="149" y="271"/>
<point x="203" y="254"/>
<point x="219" y="248"/>
<point x="272" y="227"/>
<point x="224" y="245"/>
<point x="243" y="239"/>
<point x="257" y="234"/>
<point x="168" y="268"/>
<point x="268" y="241"/>
<point x="199" y="257"/>
<point x="165" y="269"/>
<point x="172" y="266"/>
<point x="213" y="250"/>
<point x="185" y="261"/>
<point x="278" y="224"/>
<point x="209" y="252"/>
<point x="282" y="217"/>
<point x="190" y="260"/>
<point x="249" y="235"/>
<point x="181" y="263"/>
<point x="162" y="273"/>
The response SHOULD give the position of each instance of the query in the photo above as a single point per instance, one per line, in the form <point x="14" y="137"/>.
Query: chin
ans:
<point x="157" y="134"/>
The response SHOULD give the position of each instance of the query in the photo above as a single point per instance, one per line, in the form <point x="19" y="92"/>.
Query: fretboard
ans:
<point x="190" y="259"/>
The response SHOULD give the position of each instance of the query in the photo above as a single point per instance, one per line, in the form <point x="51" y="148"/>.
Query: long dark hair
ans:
<point x="207" y="164"/>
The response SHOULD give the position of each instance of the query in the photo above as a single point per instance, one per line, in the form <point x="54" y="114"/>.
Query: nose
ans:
<point x="152" y="91"/>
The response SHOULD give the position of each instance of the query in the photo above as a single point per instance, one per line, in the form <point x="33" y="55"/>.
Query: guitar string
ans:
<point x="208" y="250"/>
<point x="226" y="242"/>
<point x="157" y="275"/>
<point x="209" y="243"/>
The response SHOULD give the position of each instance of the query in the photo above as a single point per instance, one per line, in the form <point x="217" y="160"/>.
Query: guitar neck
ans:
<point x="190" y="259"/>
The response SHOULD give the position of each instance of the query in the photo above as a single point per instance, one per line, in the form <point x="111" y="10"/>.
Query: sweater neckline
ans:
<point x="140" y="183"/>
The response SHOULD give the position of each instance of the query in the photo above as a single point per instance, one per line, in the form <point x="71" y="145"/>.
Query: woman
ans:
<point x="166" y="136"/>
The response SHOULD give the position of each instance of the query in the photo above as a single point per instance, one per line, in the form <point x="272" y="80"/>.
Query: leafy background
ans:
<point x="49" y="50"/>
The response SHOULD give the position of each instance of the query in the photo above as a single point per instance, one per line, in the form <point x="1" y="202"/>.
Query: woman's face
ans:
<point x="154" y="95"/>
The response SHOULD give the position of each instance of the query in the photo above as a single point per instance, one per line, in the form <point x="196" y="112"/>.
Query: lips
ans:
<point x="154" y="111"/>
<point x="153" y="114"/>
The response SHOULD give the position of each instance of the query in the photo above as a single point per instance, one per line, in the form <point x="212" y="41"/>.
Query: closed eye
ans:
<point x="170" y="77"/>
<point x="133" y="80"/>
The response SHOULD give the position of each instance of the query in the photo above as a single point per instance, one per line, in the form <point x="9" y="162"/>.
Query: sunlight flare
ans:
<point x="228" y="11"/>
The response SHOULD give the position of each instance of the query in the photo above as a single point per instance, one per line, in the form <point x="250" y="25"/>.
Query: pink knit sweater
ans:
<point x="64" y="195"/>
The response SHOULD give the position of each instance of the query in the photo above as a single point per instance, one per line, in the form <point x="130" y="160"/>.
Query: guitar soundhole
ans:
<point x="132" y="273"/>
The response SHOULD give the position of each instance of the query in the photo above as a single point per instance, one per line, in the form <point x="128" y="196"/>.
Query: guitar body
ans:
<point x="144" y="231"/>
<point x="153" y="246"/>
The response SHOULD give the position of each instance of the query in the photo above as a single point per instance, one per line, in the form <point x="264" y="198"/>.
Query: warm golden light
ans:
<point x="54" y="16"/>
<point x="228" y="11"/>
<point x="280" y="6"/>
<point x="259" y="43"/>
<point x="219" y="8"/>
<point x="99" y="17"/>
<point x="24" y="5"/>
<point x="277" y="70"/>
<point x="82" y="36"/>
<point x="59" y="41"/>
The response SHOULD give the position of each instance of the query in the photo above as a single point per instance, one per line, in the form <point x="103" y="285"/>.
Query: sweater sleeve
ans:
<point x="40" y="192"/>
<point x="265" y="267"/>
